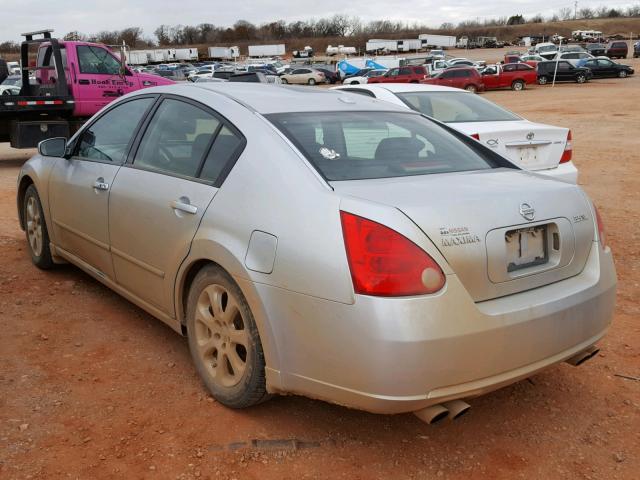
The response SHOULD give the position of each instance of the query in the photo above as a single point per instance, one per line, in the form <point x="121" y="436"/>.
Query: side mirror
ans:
<point x="53" y="147"/>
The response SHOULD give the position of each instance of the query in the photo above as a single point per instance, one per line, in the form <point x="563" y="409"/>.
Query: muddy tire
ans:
<point x="224" y="340"/>
<point x="36" y="229"/>
<point x="517" y="85"/>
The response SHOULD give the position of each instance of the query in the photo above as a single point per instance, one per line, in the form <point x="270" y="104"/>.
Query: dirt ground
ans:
<point x="93" y="387"/>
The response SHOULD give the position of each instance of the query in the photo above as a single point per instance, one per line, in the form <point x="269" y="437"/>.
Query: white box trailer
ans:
<point x="137" y="57"/>
<point x="224" y="53"/>
<point x="185" y="54"/>
<point x="340" y="50"/>
<point x="266" y="50"/>
<point x="409" y="45"/>
<point x="380" y="45"/>
<point x="442" y="41"/>
<point x="160" y="55"/>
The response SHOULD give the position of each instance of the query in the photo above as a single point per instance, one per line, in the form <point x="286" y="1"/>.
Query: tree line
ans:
<point x="334" y="26"/>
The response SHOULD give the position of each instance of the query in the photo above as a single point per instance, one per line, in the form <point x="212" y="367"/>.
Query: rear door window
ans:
<point x="225" y="150"/>
<point x="176" y="139"/>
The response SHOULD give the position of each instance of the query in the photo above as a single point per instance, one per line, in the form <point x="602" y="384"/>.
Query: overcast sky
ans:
<point x="90" y="16"/>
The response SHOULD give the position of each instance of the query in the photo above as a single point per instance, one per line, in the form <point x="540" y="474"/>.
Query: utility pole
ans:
<point x="575" y="9"/>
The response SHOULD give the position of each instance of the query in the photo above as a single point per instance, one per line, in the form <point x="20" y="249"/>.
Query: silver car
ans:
<point x="324" y="244"/>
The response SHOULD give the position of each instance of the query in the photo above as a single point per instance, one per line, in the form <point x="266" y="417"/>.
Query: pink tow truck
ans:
<point x="67" y="83"/>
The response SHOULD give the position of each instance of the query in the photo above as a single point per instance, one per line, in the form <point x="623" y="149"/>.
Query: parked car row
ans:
<point x="319" y="244"/>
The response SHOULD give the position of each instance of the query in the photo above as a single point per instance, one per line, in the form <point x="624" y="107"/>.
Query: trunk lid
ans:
<point x="533" y="146"/>
<point x="469" y="216"/>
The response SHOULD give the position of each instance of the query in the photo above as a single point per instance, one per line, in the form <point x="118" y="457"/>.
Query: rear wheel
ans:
<point x="542" y="80"/>
<point x="354" y="83"/>
<point x="36" y="229"/>
<point x="311" y="81"/>
<point x="622" y="74"/>
<point x="224" y="340"/>
<point x="581" y="78"/>
<point x="471" y="88"/>
<point x="517" y="85"/>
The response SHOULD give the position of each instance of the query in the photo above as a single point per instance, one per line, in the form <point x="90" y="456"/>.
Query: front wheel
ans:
<point x="581" y="78"/>
<point x="471" y="88"/>
<point x="542" y="81"/>
<point x="622" y="74"/>
<point x="224" y="340"/>
<point x="354" y="83"/>
<point x="284" y="81"/>
<point x="36" y="229"/>
<point x="517" y="85"/>
<point x="311" y="81"/>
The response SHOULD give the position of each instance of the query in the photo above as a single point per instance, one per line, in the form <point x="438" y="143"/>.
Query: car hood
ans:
<point x="150" y="80"/>
<point x="467" y="216"/>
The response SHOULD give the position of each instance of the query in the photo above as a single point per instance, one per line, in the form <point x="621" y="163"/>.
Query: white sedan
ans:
<point x="534" y="146"/>
<point x="364" y="78"/>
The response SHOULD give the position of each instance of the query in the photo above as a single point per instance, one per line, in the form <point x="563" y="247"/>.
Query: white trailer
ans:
<point x="381" y="45"/>
<point x="161" y="55"/>
<point x="266" y="50"/>
<point x="137" y="57"/>
<point x="340" y="50"/>
<point x="185" y="54"/>
<point x="224" y="53"/>
<point x="442" y="41"/>
<point x="409" y="45"/>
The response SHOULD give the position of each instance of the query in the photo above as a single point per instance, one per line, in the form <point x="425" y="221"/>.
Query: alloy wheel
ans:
<point x="221" y="336"/>
<point x="34" y="226"/>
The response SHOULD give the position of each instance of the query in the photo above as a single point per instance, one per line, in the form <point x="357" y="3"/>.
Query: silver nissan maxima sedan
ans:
<point x="324" y="244"/>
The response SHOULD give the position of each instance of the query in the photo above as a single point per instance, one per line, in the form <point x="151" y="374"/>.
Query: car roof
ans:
<point x="264" y="98"/>
<point x="406" y="87"/>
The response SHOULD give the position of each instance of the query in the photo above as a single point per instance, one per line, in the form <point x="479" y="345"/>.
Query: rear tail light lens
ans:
<point x="568" y="149"/>
<point x="602" y="237"/>
<point x="476" y="136"/>
<point x="385" y="263"/>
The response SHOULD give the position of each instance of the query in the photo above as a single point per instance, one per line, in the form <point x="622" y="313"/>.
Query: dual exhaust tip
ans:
<point x="436" y="413"/>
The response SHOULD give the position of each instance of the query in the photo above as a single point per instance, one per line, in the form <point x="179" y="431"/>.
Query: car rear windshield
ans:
<point x="456" y="107"/>
<point x="365" y="145"/>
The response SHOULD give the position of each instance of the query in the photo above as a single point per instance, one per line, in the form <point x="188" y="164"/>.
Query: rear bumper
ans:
<point x="567" y="172"/>
<point x="398" y="355"/>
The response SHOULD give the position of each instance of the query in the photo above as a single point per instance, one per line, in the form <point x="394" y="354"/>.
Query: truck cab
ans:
<point x="63" y="84"/>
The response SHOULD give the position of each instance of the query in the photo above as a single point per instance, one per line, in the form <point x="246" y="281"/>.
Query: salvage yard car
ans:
<point x="533" y="146"/>
<point x="466" y="78"/>
<point x="324" y="244"/>
<point x="406" y="74"/>
<point x="603" y="67"/>
<point x="561" y="71"/>
<point x="515" y="76"/>
<point x="308" y="76"/>
<point x="617" y="49"/>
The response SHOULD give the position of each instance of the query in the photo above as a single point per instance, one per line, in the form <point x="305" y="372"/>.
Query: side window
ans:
<point x="405" y="71"/>
<point x="106" y="139"/>
<point x="224" y="149"/>
<point x="96" y="60"/>
<point x="510" y="67"/>
<point x="176" y="139"/>
<point x="393" y="72"/>
<point x="447" y="75"/>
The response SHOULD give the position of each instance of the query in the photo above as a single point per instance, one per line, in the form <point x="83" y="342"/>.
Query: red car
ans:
<point x="511" y="75"/>
<point x="467" y="78"/>
<point x="406" y="74"/>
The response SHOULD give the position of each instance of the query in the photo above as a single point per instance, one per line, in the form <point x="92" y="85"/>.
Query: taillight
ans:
<point x="475" y="135"/>
<point x="385" y="263"/>
<point x="602" y="238"/>
<point x="568" y="150"/>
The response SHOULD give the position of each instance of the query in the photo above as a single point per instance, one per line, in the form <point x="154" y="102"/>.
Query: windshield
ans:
<point x="12" y="81"/>
<point x="456" y="107"/>
<point x="365" y="145"/>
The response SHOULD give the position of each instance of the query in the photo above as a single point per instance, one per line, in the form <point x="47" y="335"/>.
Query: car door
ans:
<point x="391" y="76"/>
<point x="490" y="78"/>
<point x="404" y="75"/>
<point x="99" y="79"/>
<point x="79" y="187"/>
<point x="162" y="192"/>
<point x="301" y="75"/>
<point x="607" y="68"/>
<point x="594" y="66"/>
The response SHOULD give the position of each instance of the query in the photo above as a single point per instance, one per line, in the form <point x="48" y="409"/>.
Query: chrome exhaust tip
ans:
<point x="583" y="356"/>
<point x="432" y="414"/>
<point x="457" y="408"/>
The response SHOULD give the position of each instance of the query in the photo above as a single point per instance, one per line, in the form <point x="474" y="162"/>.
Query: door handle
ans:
<point x="100" y="184"/>
<point x="184" y="205"/>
